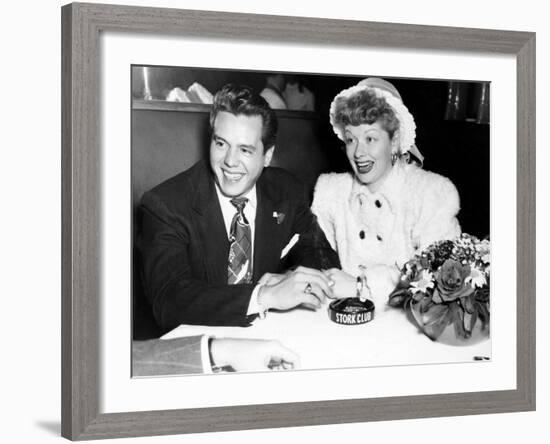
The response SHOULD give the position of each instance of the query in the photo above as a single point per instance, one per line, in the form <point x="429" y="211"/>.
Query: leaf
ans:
<point x="482" y="294"/>
<point x="424" y="305"/>
<point x="468" y="303"/>
<point x="483" y="313"/>
<point x="402" y="284"/>
<point x="437" y="297"/>
<point x="398" y="298"/>
<point x="469" y="326"/>
<point x="433" y="321"/>
<point x="438" y="322"/>
<point x="418" y="296"/>
<point x="458" y="321"/>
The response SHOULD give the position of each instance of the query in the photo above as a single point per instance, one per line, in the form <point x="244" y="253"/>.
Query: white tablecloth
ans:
<point x="389" y="339"/>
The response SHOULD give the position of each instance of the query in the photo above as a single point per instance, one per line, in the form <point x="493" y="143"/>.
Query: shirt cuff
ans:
<point x="254" y="307"/>
<point x="205" y="355"/>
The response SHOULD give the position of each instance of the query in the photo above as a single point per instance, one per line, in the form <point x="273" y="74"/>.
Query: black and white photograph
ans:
<point x="274" y="222"/>
<point x="287" y="221"/>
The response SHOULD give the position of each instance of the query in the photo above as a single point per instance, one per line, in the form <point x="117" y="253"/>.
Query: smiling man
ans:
<point x="237" y="154"/>
<point x="212" y="238"/>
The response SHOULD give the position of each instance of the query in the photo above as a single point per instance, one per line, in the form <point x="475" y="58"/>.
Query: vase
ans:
<point x="445" y="332"/>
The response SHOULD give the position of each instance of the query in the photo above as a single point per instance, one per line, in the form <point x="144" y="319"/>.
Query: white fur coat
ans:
<point x="381" y="231"/>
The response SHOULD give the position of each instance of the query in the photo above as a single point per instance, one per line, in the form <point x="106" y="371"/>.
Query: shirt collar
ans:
<point x="251" y="196"/>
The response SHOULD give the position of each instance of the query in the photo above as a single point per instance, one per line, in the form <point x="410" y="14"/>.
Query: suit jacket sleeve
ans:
<point x="167" y="357"/>
<point x="175" y="282"/>
<point x="313" y="249"/>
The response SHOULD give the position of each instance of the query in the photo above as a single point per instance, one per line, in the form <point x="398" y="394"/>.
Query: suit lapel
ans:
<point x="213" y="236"/>
<point x="266" y="238"/>
<point x="211" y="229"/>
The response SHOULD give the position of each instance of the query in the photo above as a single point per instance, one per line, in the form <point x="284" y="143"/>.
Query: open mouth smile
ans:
<point x="364" y="166"/>
<point x="232" y="177"/>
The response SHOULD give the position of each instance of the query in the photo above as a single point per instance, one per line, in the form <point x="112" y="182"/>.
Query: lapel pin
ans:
<point x="279" y="216"/>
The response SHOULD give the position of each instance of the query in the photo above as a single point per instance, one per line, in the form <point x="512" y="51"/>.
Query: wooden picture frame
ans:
<point x="81" y="172"/>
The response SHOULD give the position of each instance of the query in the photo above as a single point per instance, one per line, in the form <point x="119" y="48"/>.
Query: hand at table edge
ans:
<point x="252" y="355"/>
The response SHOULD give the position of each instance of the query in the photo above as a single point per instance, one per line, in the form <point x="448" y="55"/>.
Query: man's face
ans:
<point x="237" y="153"/>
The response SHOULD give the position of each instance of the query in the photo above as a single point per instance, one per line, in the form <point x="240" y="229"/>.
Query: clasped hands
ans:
<point x="303" y="286"/>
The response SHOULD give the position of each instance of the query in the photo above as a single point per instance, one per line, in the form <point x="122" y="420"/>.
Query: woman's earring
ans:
<point x="393" y="158"/>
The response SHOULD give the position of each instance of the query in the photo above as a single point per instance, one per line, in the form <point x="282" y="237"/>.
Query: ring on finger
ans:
<point x="307" y="290"/>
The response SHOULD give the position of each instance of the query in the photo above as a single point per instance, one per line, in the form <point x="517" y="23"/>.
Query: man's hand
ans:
<point x="247" y="355"/>
<point x="303" y="286"/>
<point x="271" y="278"/>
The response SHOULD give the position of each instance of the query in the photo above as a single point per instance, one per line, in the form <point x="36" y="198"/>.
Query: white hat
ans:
<point x="384" y="89"/>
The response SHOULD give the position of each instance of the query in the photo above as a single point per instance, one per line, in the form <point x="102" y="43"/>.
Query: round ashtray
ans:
<point x="351" y="311"/>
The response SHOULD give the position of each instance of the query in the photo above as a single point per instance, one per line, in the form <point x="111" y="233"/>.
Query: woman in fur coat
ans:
<point x="388" y="208"/>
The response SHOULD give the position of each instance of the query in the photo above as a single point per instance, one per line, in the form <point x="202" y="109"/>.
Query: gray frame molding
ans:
<point x="81" y="168"/>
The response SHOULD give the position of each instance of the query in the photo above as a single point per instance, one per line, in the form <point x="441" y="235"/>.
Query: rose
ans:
<point x="451" y="282"/>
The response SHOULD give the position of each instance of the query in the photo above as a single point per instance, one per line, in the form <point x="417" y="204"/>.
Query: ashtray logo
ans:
<point x="353" y="318"/>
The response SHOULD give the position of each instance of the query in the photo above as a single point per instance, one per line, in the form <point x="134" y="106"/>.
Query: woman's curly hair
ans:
<point x="365" y="107"/>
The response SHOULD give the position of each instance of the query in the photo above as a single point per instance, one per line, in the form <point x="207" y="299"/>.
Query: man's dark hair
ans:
<point x="241" y="100"/>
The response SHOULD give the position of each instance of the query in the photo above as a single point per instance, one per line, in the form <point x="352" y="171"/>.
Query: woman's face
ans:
<point x="369" y="150"/>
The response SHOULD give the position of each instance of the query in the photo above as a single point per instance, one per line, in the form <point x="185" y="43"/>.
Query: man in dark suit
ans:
<point x="212" y="238"/>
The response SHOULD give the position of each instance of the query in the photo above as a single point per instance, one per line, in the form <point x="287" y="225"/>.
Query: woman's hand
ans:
<point x="344" y="285"/>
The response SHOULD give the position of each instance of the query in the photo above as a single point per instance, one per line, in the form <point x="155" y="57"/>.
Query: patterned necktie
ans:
<point x="239" y="268"/>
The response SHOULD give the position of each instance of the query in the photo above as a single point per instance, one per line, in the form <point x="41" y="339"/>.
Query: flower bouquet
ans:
<point x="448" y="285"/>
